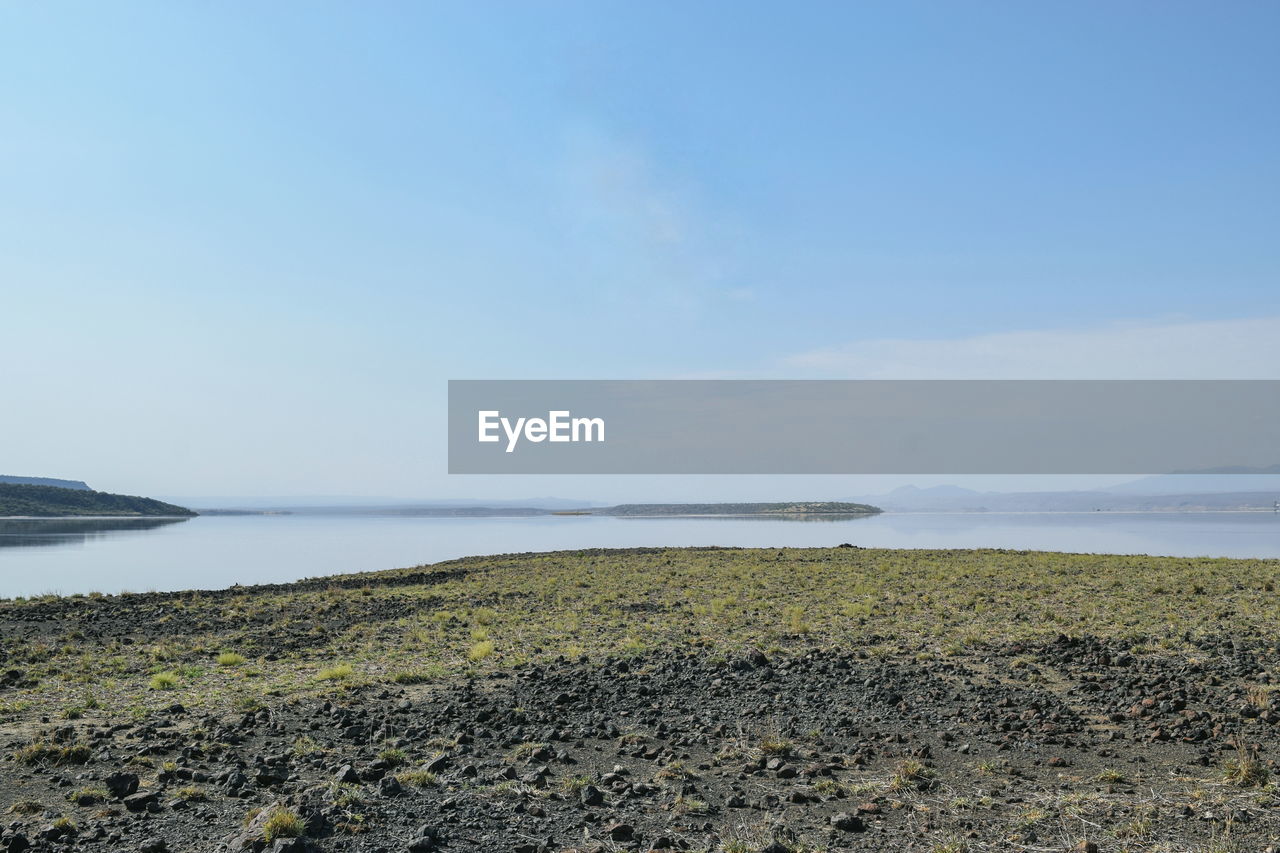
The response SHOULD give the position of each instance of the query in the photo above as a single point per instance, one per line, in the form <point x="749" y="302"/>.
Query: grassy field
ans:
<point x="737" y="700"/>
<point x="141" y="650"/>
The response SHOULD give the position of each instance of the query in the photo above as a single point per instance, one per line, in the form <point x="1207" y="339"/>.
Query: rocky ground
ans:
<point x="1070" y="743"/>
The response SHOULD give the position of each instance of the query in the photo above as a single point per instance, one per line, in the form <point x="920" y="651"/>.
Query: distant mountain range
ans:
<point x="1167" y="492"/>
<point x="1206" y="482"/>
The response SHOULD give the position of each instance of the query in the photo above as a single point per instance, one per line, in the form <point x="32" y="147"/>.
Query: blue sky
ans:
<point x="243" y="246"/>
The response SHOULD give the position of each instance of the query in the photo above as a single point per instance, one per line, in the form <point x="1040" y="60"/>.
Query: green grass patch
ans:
<point x="164" y="681"/>
<point x="480" y="651"/>
<point x="39" y="753"/>
<point x="282" y="823"/>
<point x="340" y="672"/>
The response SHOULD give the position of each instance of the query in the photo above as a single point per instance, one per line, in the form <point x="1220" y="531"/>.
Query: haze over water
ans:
<point x="70" y="556"/>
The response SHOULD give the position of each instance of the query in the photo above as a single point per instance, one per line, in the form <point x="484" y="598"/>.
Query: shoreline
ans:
<point x="407" y="575"/>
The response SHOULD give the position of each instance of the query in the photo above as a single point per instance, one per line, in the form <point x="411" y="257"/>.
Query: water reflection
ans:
<point x="214" y="552"/>
<point x="25" y="532"/>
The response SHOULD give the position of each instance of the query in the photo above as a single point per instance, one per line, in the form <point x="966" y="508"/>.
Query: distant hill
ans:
<point x="346" y="503"/>
<point x="44" y="481"/>
<point x="783" y="508"/>
<point x="956" y="499"/>
<point x="53" y="501"/>
<point x="1204" y="482"/>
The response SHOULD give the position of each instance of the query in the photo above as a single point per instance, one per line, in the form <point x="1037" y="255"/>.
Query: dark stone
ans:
<point x="53" y="831"/>
<point x="235" y="781"/>
<point x="144" y="802"/>
<point x="288" y="845"/>
<point x="620" y="832"/>
<point x="847" y="822"/>
<point x="428" y="840"/>
<point x="121" y="785"/>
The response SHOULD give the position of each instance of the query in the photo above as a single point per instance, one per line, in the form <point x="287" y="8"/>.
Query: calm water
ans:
<point x="69" y="556"/>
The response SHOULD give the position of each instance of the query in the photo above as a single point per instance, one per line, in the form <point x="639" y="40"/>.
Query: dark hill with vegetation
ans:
<point x="52" y="501"/>
<point x="44" y="481"/>
<point x="784" y="508"/>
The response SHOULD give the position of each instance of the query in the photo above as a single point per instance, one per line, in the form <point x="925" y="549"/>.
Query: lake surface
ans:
<point x="110" y="555"/>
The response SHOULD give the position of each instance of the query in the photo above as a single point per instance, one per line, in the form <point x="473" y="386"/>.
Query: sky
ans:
<point x="244" y="246"/>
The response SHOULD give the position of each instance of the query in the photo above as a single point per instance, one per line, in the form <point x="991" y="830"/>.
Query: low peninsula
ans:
<point x="783" y="508"/>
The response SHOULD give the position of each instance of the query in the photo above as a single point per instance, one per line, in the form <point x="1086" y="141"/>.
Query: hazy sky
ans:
<point x="244" y="245"/>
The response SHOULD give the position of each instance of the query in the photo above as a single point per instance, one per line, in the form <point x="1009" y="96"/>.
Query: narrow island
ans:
<point x="782" y="508"/>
